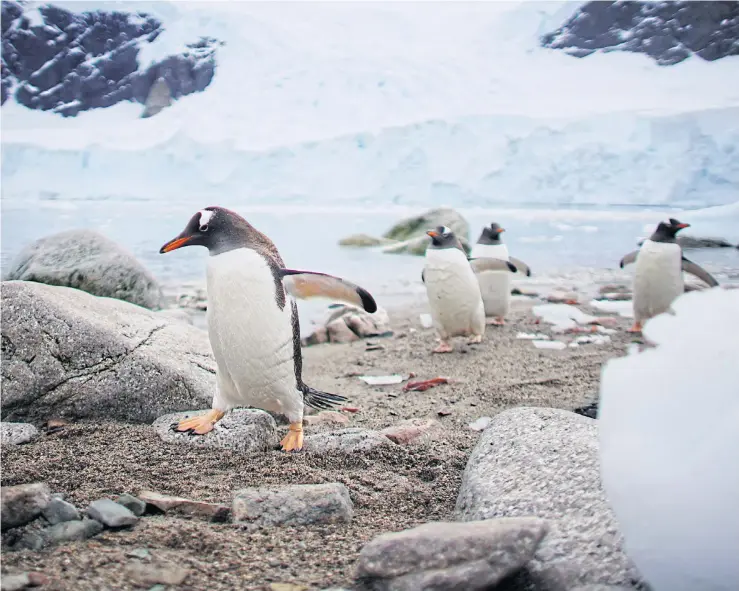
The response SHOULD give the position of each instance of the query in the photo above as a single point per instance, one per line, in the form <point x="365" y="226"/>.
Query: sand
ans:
<point x="392" y="489"/>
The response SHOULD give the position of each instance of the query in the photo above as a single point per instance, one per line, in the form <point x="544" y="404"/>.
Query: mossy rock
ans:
<point x="362" y="241"/>
<point x="417" y="246"/>
<point x="417" y="226"/>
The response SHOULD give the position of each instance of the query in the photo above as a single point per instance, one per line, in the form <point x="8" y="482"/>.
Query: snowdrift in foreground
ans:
<point x="677" y="160"/>
<point x="669" y="430"/>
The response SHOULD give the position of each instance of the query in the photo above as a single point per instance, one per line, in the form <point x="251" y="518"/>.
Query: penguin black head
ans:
<point x="443" y="237"/>
<point x="216" y="228"/>
<point x="491" y="234"/>
<point x="666" y="231"/>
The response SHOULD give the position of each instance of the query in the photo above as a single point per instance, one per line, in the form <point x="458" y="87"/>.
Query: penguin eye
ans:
<point x="204" y="228"/>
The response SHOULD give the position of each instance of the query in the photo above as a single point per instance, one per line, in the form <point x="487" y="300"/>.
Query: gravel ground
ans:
<point x="392" y="489"/>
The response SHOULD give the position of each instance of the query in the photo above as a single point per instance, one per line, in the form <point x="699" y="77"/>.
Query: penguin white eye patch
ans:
<point x="205" y="216"/>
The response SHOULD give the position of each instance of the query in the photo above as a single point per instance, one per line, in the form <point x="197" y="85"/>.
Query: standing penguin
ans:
<point x="495" y="286"/>
<point x="658" y="277"/>
<point x="452" y="289"/>
<point x="253" y="321"/>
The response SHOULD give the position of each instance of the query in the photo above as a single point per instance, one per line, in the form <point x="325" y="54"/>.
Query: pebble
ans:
<point x="242" y="430"/>
<point x="111" y="514"/>
<point x="145" y="575"/>
<point x="22" y="503"/>
<point x="346" y="441"/>
<point x="299" y="504"/>
<point x="17" y="433"/>
<point x="133" y="504"/>
<point x="411" y="430"/>
<point x="59" y="511"/>
<point x="15" y="582"/>
<point x="480" y="424"/>
<point x="474" y="556"/>
<point x="326" y="417"/>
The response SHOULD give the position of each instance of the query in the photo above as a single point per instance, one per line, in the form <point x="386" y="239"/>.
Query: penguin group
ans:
<point x="253" y="323"/>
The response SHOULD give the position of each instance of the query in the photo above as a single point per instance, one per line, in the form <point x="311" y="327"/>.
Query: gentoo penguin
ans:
<point x="452" y="289"/>
<point x="658" y="277"/>
<point x="495" y="286"/>
<point x="253" y="321"/>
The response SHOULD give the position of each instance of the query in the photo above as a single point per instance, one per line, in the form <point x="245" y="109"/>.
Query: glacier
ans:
<point x="457" y="106"/>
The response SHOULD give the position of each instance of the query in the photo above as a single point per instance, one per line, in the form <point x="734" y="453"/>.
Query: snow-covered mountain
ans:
<point x="362" y="102"/>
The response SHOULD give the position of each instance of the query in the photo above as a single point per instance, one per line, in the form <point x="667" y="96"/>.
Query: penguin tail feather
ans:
<point x="321" y="400"/>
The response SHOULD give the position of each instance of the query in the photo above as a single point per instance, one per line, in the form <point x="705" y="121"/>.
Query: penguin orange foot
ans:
<point x="495" y="321"/>
<point x="201" y="424"/>
<point x="443" y="347"/>
<point x="293" y="441"/>
<point x="475" y="339"/>
<point x="636" y="327"/>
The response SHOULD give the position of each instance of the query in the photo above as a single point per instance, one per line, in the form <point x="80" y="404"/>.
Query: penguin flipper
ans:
<point x="628" y="259"/>
<point x="308" y="284"/>
<point x="490" y="264"/>
<point x="699" y="272"/>
<point x="521" y="266"/>
<point x="423" y="277"/>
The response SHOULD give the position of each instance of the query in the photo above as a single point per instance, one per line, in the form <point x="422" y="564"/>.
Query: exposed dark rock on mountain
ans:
<point x="54" y="59"/>
<point x="669" y="32"/>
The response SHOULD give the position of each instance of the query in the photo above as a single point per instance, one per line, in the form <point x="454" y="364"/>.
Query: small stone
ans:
<point x="73" y="530"/>
<point x="317" y="337"/>
<point x="345" y="441"/>
<point x="444" y="412"/>
<point x="411" y="430"/>
<point x="242" y="430"/>
<point x="17" y="433"/>
<point x="53" y="425"/>
<point x="111" y="514"/>
<point x="22" y="503"/>
<point x="32" y="540"/>
<point x="339" y="332"/>
<point x="38" y="579"/>
<point x="480" y="424"/>
<point x="326" y="417"/>
<point x="286" y="587"/>
<point x="133" y="504"/>
<point x="59" y="511"/>
<point x="299" y="504"/>
<point x="215" y="511"/>
<point x="144" y="575"/>
<point x="15" y="582"/>
<point x="437" y="555"/>
<point x="141" y="553"/>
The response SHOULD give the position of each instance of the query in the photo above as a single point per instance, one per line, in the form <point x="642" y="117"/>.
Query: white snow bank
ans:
<point x="624" y="308"/>
<point x="669" y="432"/>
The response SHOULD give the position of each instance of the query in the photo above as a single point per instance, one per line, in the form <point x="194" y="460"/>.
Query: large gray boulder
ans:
<point x="66" y="353"/>
<point x="410" y="233"/>
<point x="87" y="260"/>
<point x="544" y="463"/>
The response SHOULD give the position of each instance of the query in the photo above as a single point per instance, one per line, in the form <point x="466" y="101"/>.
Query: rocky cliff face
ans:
<point x="669" y="32"/>
<point x="67" y="62"/>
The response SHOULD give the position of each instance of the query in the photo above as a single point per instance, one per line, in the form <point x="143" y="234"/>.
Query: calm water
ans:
<point x="555" y="243"/>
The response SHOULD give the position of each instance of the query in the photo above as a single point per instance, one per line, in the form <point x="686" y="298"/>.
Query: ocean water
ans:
<point x="564" y="246"/>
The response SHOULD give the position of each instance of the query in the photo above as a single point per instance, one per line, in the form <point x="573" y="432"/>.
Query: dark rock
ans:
<point x="243" y="430"/>
<point x="111" y="514"/>
<point x="696" y="242"/>
<point x="69" y="354"/>
<point x="87" y="260"/>
<point x="471" y="556"/>
<point x="59" y="511"/>
<point x="133" y="504"/>
<point x="544" y="463"/>
<point x="411" y="232"/>
<point x="299" y="504"/>
<point x="17" y="433"/>
<point x="590" y="411"/>
<point x="668" y="32"/>
<point x="77" y="61"/>
<point x="22" y="503"/>
<point x="71" y="531"/>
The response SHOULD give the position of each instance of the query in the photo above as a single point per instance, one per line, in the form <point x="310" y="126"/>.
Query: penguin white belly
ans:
<point x="453" y="293"/>
<point x="251" y="337"/>
<point x="658" y="278"/>
<point x="495" y="286"/>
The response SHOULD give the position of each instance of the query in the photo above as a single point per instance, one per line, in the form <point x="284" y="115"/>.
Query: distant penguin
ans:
<point x="658" y="276"/>
<point x="253" y="321"/>
<point x="495" y="286"/>
<point x="452" y="289"/>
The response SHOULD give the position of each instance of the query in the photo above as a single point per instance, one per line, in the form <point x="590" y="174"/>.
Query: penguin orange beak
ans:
<point x="178" y="242"/>
<point x="681" y="226"/>
<point x="501" y="230"/>
<point x="433" y="233"/>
